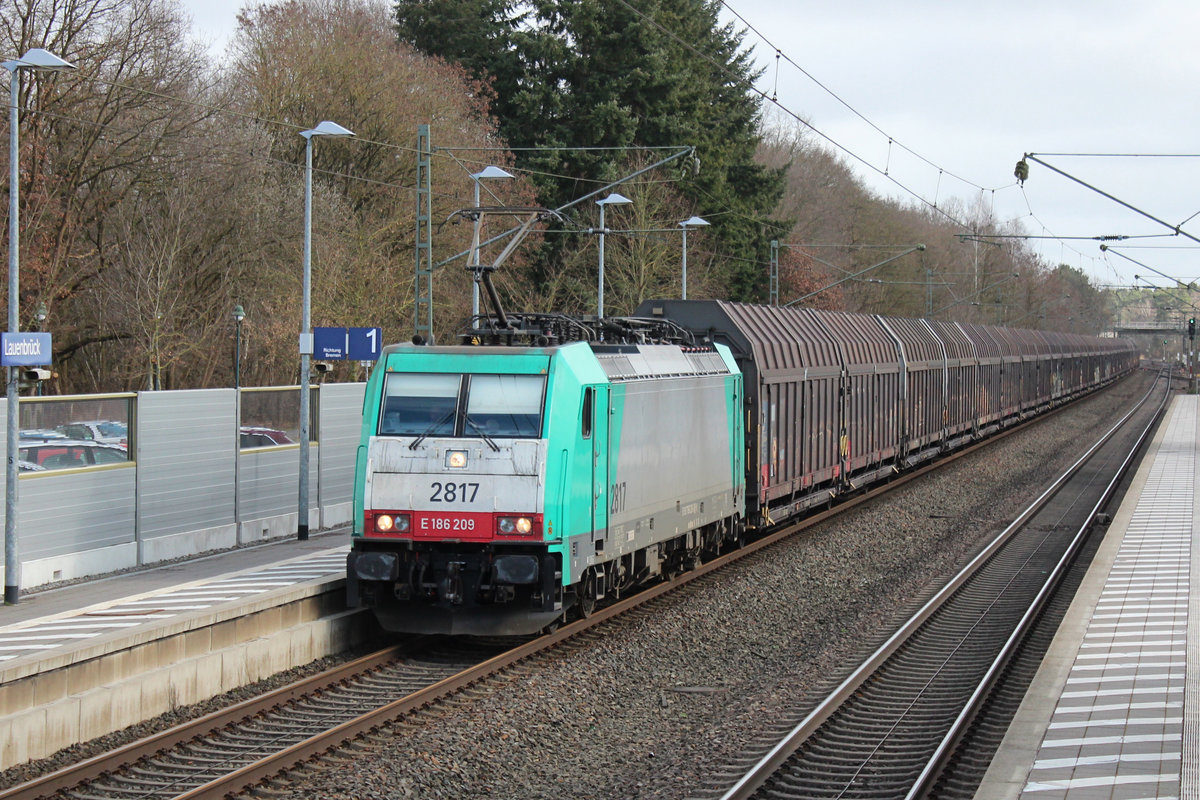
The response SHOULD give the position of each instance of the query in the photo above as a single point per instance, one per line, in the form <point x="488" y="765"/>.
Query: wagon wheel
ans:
<point x="585" y="595"/>
<point x="739" y="537"/>
<point x="672" y="567"/>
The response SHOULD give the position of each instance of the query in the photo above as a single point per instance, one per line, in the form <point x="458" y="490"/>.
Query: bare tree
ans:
<point x="298" y="62"/>
<point x="188" y="250"/>
<point x="91" y="140"/>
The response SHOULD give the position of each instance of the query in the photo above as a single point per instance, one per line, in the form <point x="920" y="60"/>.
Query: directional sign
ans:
<point x="364" y="344"/>
<point x="329" y="344"/>
<point x="340" y="344"/>
<point x="25" y="349"/>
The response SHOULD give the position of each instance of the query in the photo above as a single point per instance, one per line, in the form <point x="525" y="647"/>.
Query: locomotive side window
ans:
<point x="419" y="404"/>
<point x="505" y="405"/>
<point x="589" y="404"/>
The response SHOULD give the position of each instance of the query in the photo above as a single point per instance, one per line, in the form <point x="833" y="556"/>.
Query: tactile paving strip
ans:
<point x="39" y="636"/>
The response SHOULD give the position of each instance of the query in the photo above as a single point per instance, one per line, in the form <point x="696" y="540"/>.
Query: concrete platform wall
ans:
<point x="106" y="685"/>
<point x="188" y="488"/>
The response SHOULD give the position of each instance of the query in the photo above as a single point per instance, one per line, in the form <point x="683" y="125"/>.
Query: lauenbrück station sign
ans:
<point x="25" y="349"/>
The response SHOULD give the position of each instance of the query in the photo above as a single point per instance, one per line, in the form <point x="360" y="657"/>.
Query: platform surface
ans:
<point x="43" y="622"/>
<point x="1112" y="713"/>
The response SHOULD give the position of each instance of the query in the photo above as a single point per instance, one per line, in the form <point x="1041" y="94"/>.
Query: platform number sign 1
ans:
<point x="364" y="344"/>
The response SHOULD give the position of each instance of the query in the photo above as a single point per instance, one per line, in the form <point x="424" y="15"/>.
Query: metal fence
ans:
<point x="110" y="482"/>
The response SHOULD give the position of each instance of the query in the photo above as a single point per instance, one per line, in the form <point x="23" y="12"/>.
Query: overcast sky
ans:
<point x="970" y="88"/>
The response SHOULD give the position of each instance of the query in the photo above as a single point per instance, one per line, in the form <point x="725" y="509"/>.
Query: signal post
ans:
<point x="1191" y="363"/>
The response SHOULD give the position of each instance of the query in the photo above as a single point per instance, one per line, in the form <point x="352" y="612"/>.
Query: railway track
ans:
<point x="243" y="746"/>
<point x="890" y="728"/>
<point x="204" y="752"/>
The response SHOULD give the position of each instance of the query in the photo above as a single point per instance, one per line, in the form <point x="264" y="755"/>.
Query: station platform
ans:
<point x="87" y="659"/>
<point x="1114" y="711"/>
<point x="43" y="621"/>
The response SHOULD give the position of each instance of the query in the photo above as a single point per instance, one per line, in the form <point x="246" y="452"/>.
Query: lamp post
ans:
<point x="326" y="128"/>
<point x="693" y="222"/>
<point x="488" y="172"/>
<point x="40" y="313"/>
<point x="36" y="58"/>
<point x="239" y="314"/>
<point x="613" y="199"/>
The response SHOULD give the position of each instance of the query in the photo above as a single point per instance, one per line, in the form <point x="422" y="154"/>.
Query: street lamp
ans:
<point x="239" y="314"/>
<point x="693" y="222"/>
<point x="326" y="128"/>
<point x="40" y="313"/>
<point x="613" y="199"/>
<point x="37" y="58"/>
<point x="488" y="172"/>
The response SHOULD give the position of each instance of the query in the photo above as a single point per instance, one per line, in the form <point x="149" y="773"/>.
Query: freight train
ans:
<point x="549" y="463"/>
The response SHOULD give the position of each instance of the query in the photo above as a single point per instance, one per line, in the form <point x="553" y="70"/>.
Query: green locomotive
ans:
<point x="501" y="488"/>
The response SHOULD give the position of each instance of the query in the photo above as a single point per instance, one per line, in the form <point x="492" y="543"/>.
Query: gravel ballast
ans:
<point x="648" y="712"/>
<point x="653" y="707"/>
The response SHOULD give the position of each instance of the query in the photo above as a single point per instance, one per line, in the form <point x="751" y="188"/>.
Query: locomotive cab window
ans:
<point x="419" y="404"/>
<point x="505" y="405"/>
<point x="430" y="404"/>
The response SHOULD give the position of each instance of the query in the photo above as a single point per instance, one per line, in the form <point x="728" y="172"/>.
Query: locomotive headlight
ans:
<point x="391" y="523"/>
<point x="456" y="459"/>
<point x="518" y="526"/>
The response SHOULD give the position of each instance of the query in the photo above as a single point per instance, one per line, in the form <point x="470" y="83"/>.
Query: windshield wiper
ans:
<point x="434" y="426"/>
<point x="474" y="425"/>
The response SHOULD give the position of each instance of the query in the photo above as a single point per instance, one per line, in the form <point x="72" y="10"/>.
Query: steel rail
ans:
<point x="781" y="752"/>
<point x="944" y="751"/>
<point x="278" y="762"/>
<point x="92" y="768"/>
<point x="303" y="751"/>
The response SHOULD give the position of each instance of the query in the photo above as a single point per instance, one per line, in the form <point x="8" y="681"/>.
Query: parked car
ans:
<point x="41" y="435"/>
<point x="97" y="430"/>
<point x="252" y="436"/>
<point x="69" y="453"/>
